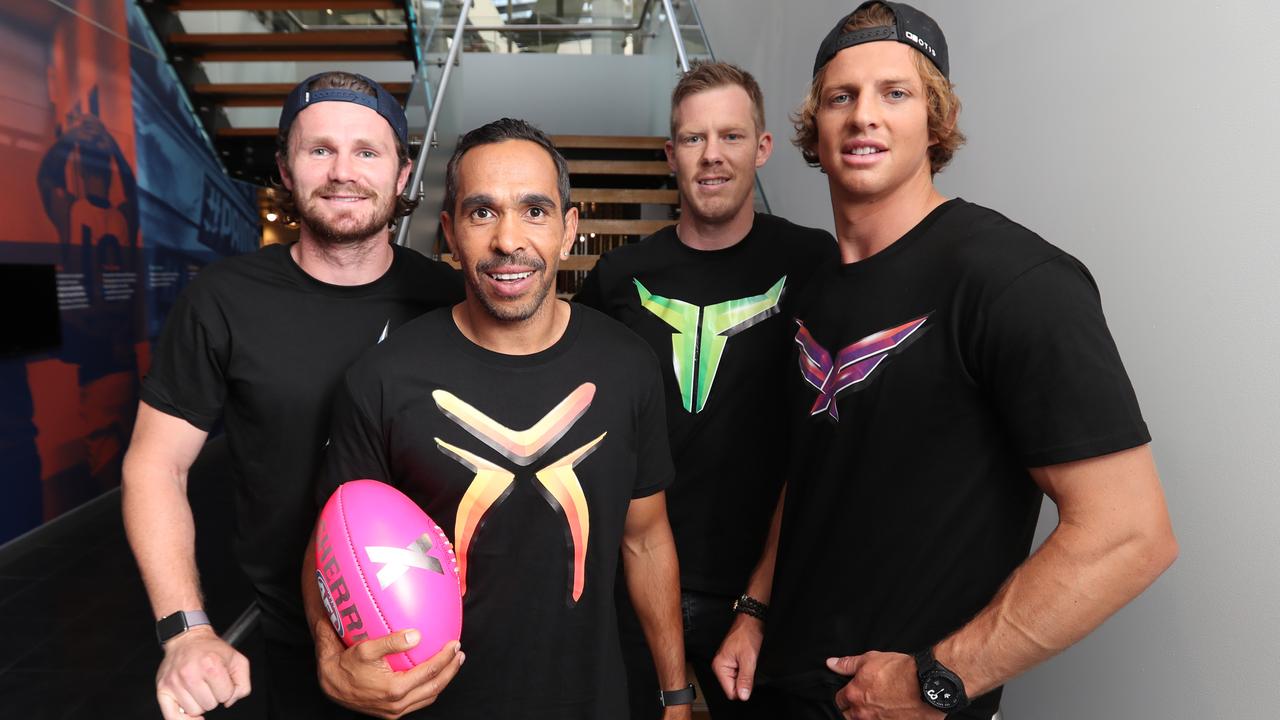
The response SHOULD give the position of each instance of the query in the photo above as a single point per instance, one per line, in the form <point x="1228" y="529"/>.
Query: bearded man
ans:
<point x="261" y="341"/>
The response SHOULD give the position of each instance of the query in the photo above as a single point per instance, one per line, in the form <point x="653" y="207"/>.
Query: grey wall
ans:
<point x="561" y="94"/>
<point x="566" y="94"/>
<point x="1139" y="137"/>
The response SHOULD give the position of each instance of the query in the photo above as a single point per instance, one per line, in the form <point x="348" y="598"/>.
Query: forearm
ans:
<point x="653" y="581"/>
<point x="161" y="532"/>
<point x="760" y="585"/>
<point x="1073" y="583"/>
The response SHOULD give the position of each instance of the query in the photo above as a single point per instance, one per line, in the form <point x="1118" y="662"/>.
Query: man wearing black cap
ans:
<point x="261" y="341"/>
<point x="952" y="371"/>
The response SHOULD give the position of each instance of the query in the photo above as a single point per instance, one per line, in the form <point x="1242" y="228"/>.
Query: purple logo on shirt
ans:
<point x="852" y="364"/>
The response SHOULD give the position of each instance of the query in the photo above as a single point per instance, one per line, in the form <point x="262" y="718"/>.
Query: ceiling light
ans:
<point x="271" y="217"/>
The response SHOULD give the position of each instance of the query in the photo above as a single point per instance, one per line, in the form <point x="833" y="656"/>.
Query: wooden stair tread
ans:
<point x="308" y="39"/>
<point x="610" y="142"/>
<point x="313" y="45"/>
<point x="335" y="5"/>
<point x="618" y="167"/>
<point x="268" y="94"/>
<point x="626" y="196"/>
<point x="297" y="55"/>
<point x="622" y="227"/>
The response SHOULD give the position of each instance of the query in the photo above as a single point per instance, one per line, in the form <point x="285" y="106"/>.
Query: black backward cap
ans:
<point x="911" y="27"/>
<point x="300" y="98"/>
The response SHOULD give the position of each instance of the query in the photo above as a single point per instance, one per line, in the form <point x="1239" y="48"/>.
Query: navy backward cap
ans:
<point x="300" y="98"/>
<point x="911" y="27"/>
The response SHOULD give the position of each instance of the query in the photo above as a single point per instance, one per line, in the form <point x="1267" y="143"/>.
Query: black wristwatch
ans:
<point x="748" y="605"/>
<point x="939" y="687"/>
<point x="667" y="698"/>
<point x="170" y="626"/>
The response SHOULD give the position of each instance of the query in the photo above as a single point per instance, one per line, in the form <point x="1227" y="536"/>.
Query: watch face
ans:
<point x="940" y="692"/>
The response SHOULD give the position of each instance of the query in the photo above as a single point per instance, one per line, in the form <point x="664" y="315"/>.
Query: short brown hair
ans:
<point x="944" y="104"/>
<point x="703" y="76"/>
<point x="341" y="81"/>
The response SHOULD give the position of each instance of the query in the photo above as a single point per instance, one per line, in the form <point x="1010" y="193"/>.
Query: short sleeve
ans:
<point x="654" y="469"/>
<point x="355" y="450"/>
<point x="1051" y="368"/>
<point x="188" y="374"/>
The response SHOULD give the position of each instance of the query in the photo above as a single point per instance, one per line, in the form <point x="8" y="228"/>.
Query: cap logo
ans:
<point x="916" y="39"/>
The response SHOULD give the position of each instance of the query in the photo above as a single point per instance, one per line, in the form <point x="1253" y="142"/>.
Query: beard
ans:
<point x="512" y="311"/>
<point x="345" y="228"/>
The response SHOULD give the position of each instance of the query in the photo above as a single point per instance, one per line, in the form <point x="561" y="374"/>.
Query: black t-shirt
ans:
<point x="260" y="343"/>
<point x="529" y="464"/>
<point x="925" y="380"/>
<point x="720" y="320"/>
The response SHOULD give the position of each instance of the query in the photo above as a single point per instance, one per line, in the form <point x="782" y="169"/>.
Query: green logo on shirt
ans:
<point x="702" y="333"/>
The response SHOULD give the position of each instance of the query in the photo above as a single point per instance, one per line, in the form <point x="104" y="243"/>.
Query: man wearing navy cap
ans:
<point x="261" y="341"/>
<point x="949" y="374"/>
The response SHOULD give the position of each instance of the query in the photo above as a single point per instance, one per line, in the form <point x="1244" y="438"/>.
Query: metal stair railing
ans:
<point x="437" y="101"/>
<point x="415" y="189"/>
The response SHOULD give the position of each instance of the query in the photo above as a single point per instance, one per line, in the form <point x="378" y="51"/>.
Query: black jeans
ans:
<point x="293" y="691"/>
<point x="706" y="620"/>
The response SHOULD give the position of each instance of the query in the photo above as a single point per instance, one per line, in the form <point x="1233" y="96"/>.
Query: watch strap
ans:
<point x="170" y="626"/>
<point x="925" y="661"/>
<point x="748" y="605"/>
<point x="685" y="696"/>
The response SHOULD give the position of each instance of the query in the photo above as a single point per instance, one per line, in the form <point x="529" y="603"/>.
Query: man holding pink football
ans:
<point x="534" y="433"/>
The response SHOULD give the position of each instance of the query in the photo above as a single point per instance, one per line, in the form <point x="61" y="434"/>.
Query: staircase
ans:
<point x="623" y="190"/>
<point x="266" y="40"/>
<point x="239" y="58"/>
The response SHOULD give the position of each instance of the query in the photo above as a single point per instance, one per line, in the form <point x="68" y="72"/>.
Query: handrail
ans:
<point x="420" y="164"/>
<point x="675" y="35"/>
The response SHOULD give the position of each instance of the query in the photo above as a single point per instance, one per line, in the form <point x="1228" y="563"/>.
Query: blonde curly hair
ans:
<point x="944" y="104"/>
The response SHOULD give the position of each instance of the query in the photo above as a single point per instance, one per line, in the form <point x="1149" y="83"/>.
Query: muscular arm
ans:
<point x="199" y="670"/>
<point x="653" y="580"/>
<point x="735" y="661"/>
<point x="1113" y="539"/>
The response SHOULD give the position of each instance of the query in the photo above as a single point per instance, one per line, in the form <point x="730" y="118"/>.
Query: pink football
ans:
<point x="383" y="566"/>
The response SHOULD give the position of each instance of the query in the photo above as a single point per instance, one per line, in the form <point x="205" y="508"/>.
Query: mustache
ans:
<point x="517" y="258"/>
<point x="345" y="189"/>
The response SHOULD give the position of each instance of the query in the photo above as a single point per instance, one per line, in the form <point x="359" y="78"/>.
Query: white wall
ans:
<point x="1139" y="136"/>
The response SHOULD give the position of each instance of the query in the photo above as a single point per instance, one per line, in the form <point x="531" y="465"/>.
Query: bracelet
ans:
<point x="667" y="698"/>
<point x="748" y="605"/>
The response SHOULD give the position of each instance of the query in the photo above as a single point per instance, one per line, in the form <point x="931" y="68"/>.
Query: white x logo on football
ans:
<point x="397" y="561"/>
